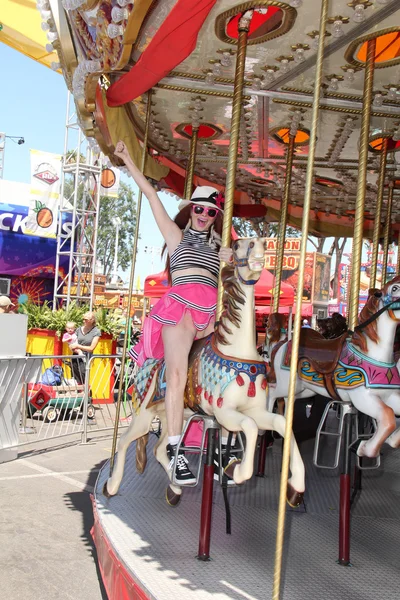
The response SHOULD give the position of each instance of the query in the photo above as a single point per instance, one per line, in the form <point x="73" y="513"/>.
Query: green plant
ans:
<point x="59" y="318"/>
<point x="110" y="322"/>
<point x="38" y="315"/>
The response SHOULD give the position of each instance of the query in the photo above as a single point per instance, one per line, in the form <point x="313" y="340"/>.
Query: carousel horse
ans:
<point x="275" y="333"/>
<point x="357" y="367"/>
<point x="332" y="327"/>
<point x="226" y="378"/>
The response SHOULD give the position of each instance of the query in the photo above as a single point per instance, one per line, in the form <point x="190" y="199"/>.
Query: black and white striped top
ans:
<point x="195" y="252"/>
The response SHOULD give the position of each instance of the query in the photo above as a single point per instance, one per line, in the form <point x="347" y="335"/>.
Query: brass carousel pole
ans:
<point x="192" y="160"/>
<point x="297" y="320"/>
<point x="361" y="185"/>
<point x="131" y="283"/>
<point x="243" y="28"/>
<point x="378" y="212"/>
<point x="345" y="477"/>
<point x="386" y="234"/>
<point x="282" y="224"/>
<point x="208" y="471"/>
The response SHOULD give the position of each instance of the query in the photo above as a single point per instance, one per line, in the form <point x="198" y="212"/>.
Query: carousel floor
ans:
<point x="157" y="544"/>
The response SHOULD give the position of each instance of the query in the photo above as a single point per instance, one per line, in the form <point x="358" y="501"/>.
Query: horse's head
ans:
<point x="378" y="300"/>
<point x="276" y="323"/>
<point x="249" y="259"/>
<point x="391" y="298"/>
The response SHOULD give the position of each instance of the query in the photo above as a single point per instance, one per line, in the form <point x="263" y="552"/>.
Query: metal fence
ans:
<point x="61" y="396"/>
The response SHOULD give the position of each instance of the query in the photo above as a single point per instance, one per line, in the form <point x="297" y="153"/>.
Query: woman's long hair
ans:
<point x="183" y="220"/>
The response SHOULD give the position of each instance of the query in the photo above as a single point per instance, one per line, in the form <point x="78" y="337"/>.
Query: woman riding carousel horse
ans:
<point x="187" y="311"/>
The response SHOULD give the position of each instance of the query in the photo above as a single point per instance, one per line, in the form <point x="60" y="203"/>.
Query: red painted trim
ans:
<point x="42" y="332"/>
<point x="120" y="584"/>
<point x="206" y="512"/>
<point x="344" y="520"/>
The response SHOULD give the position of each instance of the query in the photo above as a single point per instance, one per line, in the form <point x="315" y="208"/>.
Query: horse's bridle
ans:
<point x="386" y="307"/>
<point x="244" y="262"/>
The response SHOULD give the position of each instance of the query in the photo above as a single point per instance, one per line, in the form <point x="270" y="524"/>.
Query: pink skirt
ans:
<point x="198" y="299"/>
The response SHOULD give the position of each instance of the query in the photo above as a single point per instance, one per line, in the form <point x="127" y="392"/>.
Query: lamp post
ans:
<point x="18" y="139"/>
<point x="116" y="221"/>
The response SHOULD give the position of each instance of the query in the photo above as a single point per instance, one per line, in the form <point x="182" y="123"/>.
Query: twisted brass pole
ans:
<point x="243" y="28"/>
<point x="297" y="320"/>
<point x="386" y="234"/>
<point x="282" y="225"/>
<point x="378" y="213"/>
<point x="361" y="186"/>
<point x="131" y="283"/>
<point x="192" y="160"/>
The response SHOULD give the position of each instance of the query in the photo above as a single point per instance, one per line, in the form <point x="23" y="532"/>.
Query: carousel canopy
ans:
<point x="185" y="51"/>
<point x="21" y="30"/>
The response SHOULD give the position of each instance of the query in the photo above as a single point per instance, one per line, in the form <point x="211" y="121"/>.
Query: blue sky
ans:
<point x="33" y="105"/>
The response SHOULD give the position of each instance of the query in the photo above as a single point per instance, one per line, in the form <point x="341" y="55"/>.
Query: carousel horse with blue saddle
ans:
<point x="357" y="367"/>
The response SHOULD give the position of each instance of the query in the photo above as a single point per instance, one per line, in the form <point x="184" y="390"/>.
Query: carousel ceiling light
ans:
<point x="337" y="23"/>
<point x="52" y="36"/>
<point x="285" y="63"/>
<point x="209" y="80"/>
<point x="45" y="14"/>
<point x="55" y="66"/>
<point x="45" y="26"/>
<point x="378" y="100"/>
<point x="257" y="83"/>
<point x="299" y="52"/>
<point x="359" y="13"/>
<point x="114" y="31"/>
<point x="124" y="3"/>
<point x="42" y="5"/>
<point x="49" y="48"/>
<point x="119" y="14"/>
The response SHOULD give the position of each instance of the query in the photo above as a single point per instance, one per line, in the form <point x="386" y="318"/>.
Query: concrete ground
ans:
<point x="46" y="550"/>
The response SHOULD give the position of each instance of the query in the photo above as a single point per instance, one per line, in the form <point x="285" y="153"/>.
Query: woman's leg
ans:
<point x="177" y="342"/>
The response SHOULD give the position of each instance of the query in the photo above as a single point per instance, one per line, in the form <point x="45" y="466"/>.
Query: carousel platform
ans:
<point x="147" y="550"/>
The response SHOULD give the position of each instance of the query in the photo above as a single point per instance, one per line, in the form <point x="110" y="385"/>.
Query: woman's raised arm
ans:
<point x="169" y="230"/>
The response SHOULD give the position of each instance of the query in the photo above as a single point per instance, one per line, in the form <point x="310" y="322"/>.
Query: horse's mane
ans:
<point x="371" y="307"/>
<point x="231" y="299"/>
<point x="276" y="322"/>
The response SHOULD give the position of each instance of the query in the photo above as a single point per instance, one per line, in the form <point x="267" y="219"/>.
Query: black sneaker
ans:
<point x="182" y="475"/>
<point x="233" y="458"/>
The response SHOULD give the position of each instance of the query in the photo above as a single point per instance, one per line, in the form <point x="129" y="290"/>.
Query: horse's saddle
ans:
<point x="323" y="354"/>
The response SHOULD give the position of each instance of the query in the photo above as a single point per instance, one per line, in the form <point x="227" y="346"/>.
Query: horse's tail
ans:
<point x="141" y="455"/>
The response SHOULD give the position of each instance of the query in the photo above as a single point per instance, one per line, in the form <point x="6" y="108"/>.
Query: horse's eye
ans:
<point x="251" y="245"/>
<point x="236" y="246"/>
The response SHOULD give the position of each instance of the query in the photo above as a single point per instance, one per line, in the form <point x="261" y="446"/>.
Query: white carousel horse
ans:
<point x="225" y="378"/>
<point x="357" y="368"/>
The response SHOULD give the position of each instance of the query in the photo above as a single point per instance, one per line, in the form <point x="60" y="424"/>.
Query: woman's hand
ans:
<point x="121" y="151"/>
<point x="226" y="255"/>
<point x="73" y="346"/>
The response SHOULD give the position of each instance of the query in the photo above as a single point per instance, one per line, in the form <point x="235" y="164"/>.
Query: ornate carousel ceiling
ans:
<point x="144" y="42"/>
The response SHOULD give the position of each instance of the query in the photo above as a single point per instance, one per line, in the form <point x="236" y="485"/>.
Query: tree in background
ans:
<point x="258" y="227"/>
<point x="123" y="207"/>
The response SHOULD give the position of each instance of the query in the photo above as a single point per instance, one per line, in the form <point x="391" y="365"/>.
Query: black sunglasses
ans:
<point x="198" y="210"/>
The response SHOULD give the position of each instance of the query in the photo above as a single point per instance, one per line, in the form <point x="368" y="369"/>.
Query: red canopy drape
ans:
<point x="174" y="41"/>
<point x="265" y="286"/>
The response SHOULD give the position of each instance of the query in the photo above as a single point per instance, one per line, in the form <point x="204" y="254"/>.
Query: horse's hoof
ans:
<point x="106" y="493"/>
<point x="171" y="497"/>
<point x="355" y="446"/>
<point x="294" y="498"/>
<point x="230" y="467"/>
